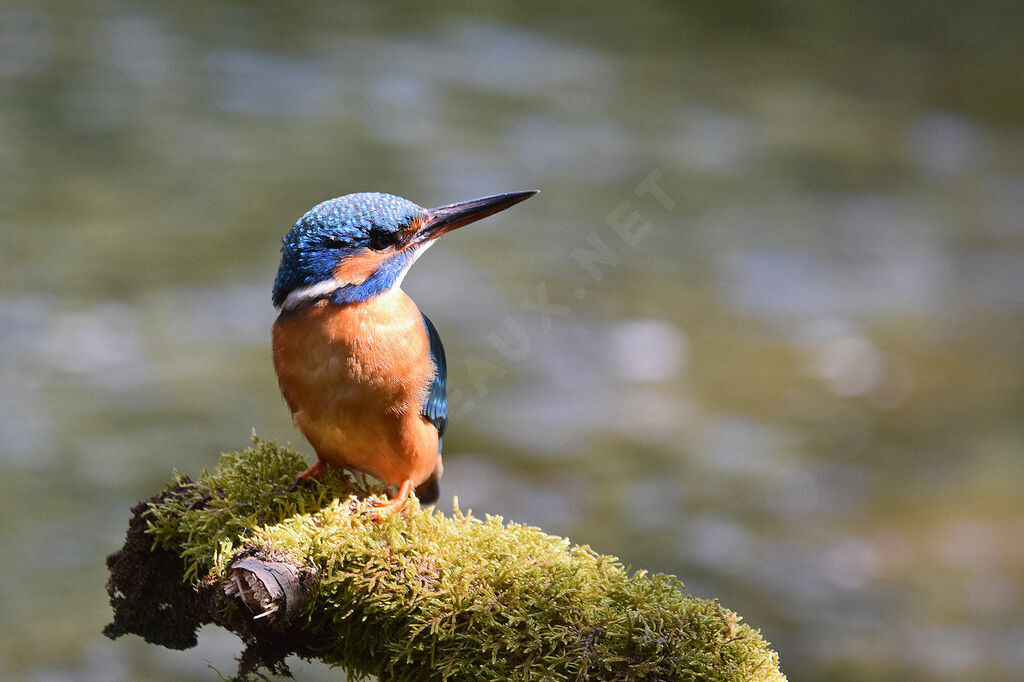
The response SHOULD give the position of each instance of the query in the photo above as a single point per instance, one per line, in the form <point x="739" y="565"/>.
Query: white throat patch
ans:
<point x="415" y="255"/>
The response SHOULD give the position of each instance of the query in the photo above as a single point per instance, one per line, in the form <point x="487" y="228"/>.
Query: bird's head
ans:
<point x="357" y="246"/>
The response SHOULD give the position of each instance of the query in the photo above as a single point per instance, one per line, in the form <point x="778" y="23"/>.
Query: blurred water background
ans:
<point x="762" y="328"/>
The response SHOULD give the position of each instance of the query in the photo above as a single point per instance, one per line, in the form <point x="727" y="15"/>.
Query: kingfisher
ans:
<point x="360" y="367"/>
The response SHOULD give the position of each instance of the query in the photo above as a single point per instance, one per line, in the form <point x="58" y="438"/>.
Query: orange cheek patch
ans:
<point x="414" y="227"/>
<point x="357" y="269"/>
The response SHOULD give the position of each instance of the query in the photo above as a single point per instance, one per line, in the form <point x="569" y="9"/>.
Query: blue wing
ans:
<point x="435" y="408"/>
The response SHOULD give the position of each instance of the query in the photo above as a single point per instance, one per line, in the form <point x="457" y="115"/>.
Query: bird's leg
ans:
<point x="384" y="508"/>
<point x="312" y="472"/>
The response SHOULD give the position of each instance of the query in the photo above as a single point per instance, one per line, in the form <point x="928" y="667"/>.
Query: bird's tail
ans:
<point x="430" y="489"/>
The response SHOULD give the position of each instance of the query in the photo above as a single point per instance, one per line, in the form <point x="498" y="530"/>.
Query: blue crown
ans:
<point x="334" y="229"/>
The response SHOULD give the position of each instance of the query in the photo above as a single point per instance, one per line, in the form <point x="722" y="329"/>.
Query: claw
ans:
<point x="385" y="508"/>
<point x="312" y="472"/>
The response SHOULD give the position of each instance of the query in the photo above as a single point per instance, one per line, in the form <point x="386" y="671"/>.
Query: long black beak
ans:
<point x="447" y="218"/>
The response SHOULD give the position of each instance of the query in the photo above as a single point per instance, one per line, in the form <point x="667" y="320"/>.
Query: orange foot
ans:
<point x="312" y="472"/>
<point x="385" y="508"/>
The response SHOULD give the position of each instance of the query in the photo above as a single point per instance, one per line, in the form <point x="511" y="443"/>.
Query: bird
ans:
<point x="361" y="368"/>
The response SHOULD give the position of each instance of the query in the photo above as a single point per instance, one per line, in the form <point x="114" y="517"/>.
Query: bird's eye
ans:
<point x="382" y="240"/>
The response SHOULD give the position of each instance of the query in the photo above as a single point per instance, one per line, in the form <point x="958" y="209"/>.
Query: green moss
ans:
<point x="424" y="596"/>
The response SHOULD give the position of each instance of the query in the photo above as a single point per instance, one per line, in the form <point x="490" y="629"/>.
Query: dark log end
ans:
<point x="147" y="591"/>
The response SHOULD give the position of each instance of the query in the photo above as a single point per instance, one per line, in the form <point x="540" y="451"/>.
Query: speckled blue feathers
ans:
<point x="335" y="229"/>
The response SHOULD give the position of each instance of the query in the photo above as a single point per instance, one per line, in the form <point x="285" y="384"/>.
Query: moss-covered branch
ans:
<point x="417" y="596"/>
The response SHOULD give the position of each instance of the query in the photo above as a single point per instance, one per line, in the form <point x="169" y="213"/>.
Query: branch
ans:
<point x="416" y="596"/>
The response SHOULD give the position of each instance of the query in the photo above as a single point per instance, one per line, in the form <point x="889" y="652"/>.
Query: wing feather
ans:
<point x="435" y="408"/>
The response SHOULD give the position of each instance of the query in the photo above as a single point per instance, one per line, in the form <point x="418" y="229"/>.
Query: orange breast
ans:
<point x="355" y="378"/>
